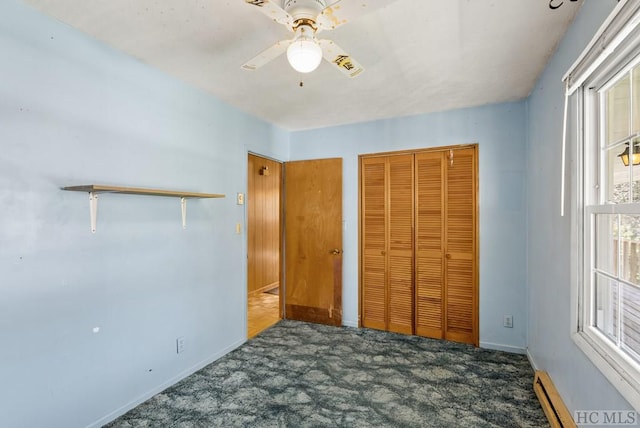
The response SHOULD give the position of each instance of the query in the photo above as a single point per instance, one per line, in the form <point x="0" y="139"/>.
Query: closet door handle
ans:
<point x="448" y="256"/>
<point x="383" y="252"/>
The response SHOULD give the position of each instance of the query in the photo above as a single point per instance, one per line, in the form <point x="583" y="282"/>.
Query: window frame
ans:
<point x="596" y="71"/>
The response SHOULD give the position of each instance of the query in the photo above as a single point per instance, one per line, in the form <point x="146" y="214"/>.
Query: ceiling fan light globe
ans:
<point x="304" y="55"/>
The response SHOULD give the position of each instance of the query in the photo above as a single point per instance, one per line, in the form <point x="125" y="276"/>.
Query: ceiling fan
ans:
<point x="306" y="18"/>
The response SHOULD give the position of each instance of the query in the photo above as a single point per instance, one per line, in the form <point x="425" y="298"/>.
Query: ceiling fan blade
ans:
<point x="273" y="11"/>
<point x="268" y="55"/>
<point x="341" y="60"/>
<point x="343" y="11"/>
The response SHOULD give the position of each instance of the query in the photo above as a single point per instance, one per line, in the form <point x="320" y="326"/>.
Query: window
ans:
<point x="606" y="82"/>
<point x="612" y="217"/>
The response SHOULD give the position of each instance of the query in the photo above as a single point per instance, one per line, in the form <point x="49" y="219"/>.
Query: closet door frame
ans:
<point x="476" y="257"/>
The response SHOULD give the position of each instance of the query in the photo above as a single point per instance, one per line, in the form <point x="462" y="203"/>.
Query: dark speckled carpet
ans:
<point x="307" y="375"/>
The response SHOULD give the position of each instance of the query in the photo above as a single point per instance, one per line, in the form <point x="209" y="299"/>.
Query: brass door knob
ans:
<point x="336" y="251"/>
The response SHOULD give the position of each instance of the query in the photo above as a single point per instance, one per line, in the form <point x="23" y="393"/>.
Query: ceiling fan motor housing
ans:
<point x="304" y="9"/>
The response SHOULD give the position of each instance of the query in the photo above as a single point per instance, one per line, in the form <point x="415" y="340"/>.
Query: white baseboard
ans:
<point x="505" y="348"/>
<point x="147" y="395"/>
<point x="531" y="361"/>
<point x="349" y="323"/>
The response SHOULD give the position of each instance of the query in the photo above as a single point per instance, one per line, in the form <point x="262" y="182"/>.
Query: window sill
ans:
<point x="614" y="368"/>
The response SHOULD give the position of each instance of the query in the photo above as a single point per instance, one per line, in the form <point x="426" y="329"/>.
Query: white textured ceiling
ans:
<point x="419" y="55"/>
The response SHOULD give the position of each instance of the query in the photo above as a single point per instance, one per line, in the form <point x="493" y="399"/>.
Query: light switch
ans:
<point x="240" y="198"/>
<point x="238" y="228"/>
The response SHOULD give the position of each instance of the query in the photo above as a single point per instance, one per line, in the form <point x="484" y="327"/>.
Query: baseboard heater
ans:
<point x="552" y="404"/>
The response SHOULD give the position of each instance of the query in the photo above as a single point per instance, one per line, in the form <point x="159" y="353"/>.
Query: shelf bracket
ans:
<point x="93" y="210"/>
<point x="183" y="205"/>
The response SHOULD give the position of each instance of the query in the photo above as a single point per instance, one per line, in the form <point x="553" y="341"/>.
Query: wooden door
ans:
<point x="400" y="244"/>
<point x="419" y="245"/>
<point x="430" y="292"/>
<point x="460" y="266"/>
<point x="387" y="243"/>
<point x="313" y="241"/>
<point x="373" y="313"/>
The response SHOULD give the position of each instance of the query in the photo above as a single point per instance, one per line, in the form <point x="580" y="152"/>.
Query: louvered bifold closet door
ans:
<point x="429" y="244"/>
<point x="418" y="234"/>
<point x="460" y="246"/>
<point x="374" y="236"/>
<point x="400" y="261"/>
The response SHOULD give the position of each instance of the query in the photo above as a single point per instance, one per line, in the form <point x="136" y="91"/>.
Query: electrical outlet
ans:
<point x="508" y="321"/>
<point x="179" y="345"/>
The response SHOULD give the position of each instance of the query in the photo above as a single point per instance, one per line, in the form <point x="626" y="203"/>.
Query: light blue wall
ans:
<point x="73" y="111"/>
<point x="500" y="131"/>
<point x="549" y="243"/>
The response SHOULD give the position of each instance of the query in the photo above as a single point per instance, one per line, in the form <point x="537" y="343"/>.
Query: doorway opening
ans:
<point x="264" y="214"/>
